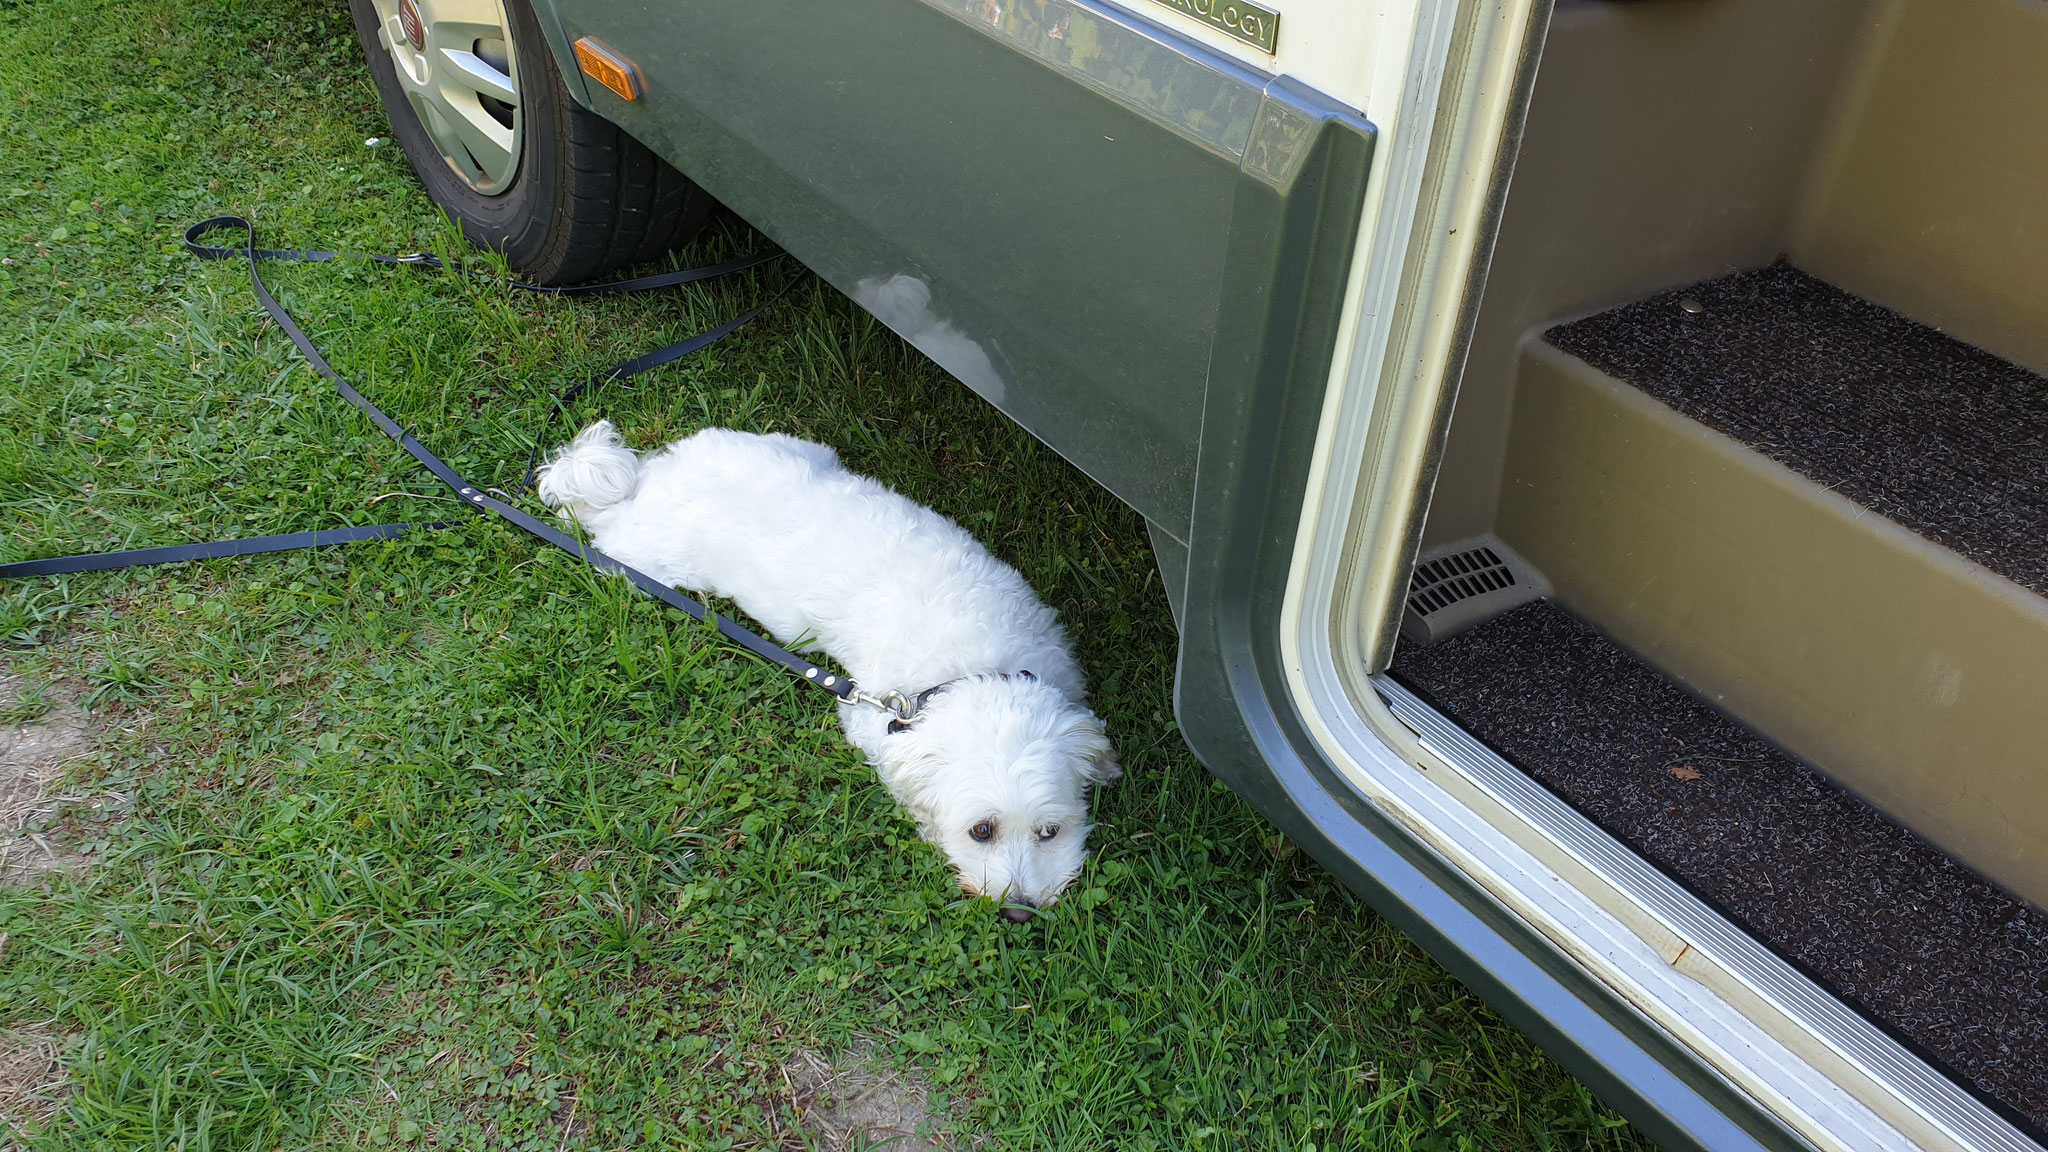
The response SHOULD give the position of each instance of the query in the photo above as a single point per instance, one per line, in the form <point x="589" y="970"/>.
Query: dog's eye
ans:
<point x="984" y="831"/>
<point x="1048" y="831"/>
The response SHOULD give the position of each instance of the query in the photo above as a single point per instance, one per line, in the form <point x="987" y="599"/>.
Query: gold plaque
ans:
<point x="1255" y="24"/>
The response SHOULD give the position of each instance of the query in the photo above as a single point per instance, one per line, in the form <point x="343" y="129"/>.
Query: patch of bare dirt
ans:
<point x="33" y="754"/>
<point x="858" y="1104"/>
<point x="31" y="1082"/>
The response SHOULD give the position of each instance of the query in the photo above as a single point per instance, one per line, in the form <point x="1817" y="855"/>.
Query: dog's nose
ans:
<point x="1016" y="913"/>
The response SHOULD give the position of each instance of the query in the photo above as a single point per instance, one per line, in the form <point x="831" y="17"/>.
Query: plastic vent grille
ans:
<point x="1448" y="579"/>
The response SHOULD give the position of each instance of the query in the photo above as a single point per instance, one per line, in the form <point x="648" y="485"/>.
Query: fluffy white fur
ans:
<point x="902" y="597"/>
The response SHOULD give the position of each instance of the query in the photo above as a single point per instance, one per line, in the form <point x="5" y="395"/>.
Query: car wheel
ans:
<point x="478" y="105"/>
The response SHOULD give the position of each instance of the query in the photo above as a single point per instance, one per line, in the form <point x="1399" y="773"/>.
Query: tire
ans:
<point x="584" y="198"/>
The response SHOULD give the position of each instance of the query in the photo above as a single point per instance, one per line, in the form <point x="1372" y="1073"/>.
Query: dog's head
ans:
<point x="997" y="770"/>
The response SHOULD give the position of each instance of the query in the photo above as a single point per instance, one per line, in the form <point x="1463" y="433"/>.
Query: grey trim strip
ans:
<point x="1708" y="932"/>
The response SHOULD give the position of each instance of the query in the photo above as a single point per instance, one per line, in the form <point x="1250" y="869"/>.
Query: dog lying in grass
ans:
<point x="997" y="760"/>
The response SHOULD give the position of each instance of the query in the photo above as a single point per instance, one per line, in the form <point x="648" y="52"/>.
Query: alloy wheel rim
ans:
<point x="456" y="64"/>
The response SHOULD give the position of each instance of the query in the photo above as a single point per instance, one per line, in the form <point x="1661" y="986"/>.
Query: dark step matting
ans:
<point x="1921" y="944"/>
<point x="1944" y="438"/>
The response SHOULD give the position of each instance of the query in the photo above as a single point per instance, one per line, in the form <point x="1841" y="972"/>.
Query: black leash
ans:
<point x="476" y="498"/>
<point x="630" y="368"/>
<point x="172" y="554"/>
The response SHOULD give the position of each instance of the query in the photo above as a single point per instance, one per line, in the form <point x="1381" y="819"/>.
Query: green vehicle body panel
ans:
<point x="994" y="165"/>
<point x="1137" y="249"/>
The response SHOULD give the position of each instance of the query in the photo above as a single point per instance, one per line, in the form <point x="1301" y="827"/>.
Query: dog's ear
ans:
<point x="1108" y="769"/>
<point x="1100" y="755"/>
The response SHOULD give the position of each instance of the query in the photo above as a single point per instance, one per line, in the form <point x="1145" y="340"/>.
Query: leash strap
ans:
<point x="760" y="646"/>
<point x="253" y="546"/>
<point x="430" y="261"/>
<point x="631" y="368"/>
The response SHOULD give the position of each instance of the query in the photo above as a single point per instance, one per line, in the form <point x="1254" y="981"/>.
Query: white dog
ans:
<point x="997" y="759"/>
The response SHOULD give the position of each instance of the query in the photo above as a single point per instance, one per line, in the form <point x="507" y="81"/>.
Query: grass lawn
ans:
<point x="447" y="842"/>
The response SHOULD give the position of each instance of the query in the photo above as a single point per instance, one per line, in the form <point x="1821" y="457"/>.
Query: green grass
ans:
<point x="443" y="841"/>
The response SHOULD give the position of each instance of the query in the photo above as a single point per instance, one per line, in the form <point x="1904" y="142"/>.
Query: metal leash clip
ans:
<point x="892" y="701"/>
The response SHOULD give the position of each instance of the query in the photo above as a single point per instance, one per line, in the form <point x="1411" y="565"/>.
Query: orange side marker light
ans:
<point x="608" y="68"/>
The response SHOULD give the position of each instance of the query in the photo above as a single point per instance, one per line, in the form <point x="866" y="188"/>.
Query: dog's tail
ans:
<point x="593" y="473"/>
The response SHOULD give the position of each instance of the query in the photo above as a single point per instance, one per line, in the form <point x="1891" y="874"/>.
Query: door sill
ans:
<point x="1712" y="973"/>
